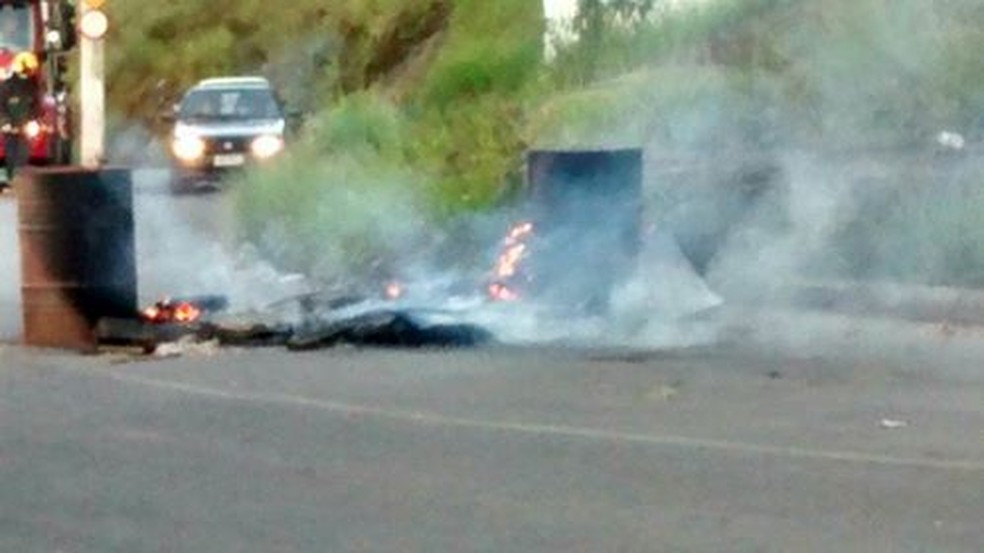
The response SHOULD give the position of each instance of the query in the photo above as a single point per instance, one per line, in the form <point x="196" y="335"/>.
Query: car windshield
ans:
<point x="16" y="31"/>
<point x="230" y="104"/>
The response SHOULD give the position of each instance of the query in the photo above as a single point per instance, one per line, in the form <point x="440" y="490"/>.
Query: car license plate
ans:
<point x="229" y="160"/>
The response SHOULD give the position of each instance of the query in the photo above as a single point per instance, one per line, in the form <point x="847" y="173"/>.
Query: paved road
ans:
<point x="500" y="450"/>
<point x="819" y="433"/>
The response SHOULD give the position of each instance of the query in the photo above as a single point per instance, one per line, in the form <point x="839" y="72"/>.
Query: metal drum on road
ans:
<point x="78" y="254"/>
<point x="587" y="207"/>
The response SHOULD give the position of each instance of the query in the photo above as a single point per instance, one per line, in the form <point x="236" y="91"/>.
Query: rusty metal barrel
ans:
<point x="78" y="253"/>
<point x="587" y="205"/>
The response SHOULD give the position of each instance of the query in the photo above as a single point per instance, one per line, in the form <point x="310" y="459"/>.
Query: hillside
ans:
<point x="418" y="111"/>
<point x="874" y="72"/>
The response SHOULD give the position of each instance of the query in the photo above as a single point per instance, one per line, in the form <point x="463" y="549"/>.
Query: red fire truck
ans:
<point x="45" y="29"/>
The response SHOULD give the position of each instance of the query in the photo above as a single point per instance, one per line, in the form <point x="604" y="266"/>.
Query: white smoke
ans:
<point x="187" y="247"/>
<point x="763" y="243"/>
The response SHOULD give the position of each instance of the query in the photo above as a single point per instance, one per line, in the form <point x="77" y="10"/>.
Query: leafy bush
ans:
<point x="371" y="171"/>
<point x="343" y="200"/>
<point x="422" y="110"/>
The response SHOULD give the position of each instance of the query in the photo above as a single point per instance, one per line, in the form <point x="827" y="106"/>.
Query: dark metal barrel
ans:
<point x="78" y="254"/>
<point x="587" y="207"/>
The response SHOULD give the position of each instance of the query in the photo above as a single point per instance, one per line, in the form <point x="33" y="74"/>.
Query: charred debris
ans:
<point x="301" y="323"/>
<point x="583" y="211"/>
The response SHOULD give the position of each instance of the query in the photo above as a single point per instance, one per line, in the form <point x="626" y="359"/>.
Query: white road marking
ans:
<point x="534" y="429"/>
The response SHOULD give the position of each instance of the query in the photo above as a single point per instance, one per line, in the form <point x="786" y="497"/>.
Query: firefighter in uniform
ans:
<point x="18" y="107"/>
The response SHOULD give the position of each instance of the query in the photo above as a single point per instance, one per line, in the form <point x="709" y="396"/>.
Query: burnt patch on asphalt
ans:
<point x="320" y="324"/>
<point x="388" y="328"/>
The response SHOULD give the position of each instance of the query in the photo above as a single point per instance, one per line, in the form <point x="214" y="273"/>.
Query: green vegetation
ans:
<point x="419" y="110"/>
<point x="415" y="109"/>
<point x="466" y="77"/>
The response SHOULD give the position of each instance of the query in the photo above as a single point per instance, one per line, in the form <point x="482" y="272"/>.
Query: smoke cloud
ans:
<point x="822" y="163"/>
<point x="187" y="246"/>
<point x="801" y="143"/>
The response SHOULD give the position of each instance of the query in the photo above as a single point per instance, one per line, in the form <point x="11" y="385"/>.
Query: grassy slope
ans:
<point x="443" y="130"/>
<point x="855" y="73"/>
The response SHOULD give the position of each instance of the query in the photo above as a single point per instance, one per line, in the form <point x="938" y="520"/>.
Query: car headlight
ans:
<point x="267" y="146"/>
<point x="188" y="148"/>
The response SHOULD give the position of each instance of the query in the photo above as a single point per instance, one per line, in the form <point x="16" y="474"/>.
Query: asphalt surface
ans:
<point x="797" y="432"/>
<point x="498" y="450"/>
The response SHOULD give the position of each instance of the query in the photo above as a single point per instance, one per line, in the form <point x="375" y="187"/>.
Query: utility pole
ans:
<point x="93" y="24"/>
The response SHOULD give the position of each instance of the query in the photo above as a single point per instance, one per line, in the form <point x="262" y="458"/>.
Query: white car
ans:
<point x="225" y="124"/>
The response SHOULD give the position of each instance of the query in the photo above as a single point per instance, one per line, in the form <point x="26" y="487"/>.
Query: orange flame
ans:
<point x="514" y="251"/>
<point x="501" y="292"/>
<point x="394" y="291"/>
<point x="152" y="313"/>
<point x="186" y="313"/>
<point x="167" y="311"/>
